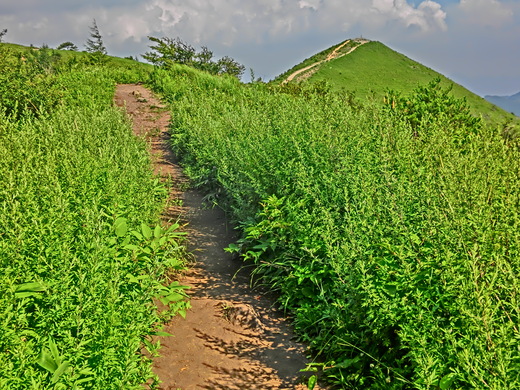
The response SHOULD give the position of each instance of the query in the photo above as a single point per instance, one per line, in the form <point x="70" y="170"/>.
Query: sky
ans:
<point x="476" y="43"/>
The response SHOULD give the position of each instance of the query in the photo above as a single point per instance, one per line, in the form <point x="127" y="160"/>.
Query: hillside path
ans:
<point x="333" y="55"/>
<point x="232" y="338"/>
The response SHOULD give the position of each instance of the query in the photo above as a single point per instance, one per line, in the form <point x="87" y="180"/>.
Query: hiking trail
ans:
<point x="232" y="337"/>
<point x="312" y="68"/>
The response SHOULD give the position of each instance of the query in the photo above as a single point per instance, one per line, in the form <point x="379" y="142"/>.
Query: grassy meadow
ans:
<point x="82" y="255"/>
<point x="390" y="232"/>
<point x="373" y="68"/>
<point x="388" y="225"/>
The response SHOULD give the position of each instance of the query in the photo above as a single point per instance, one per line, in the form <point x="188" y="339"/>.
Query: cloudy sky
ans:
<point x="474" y="42"/>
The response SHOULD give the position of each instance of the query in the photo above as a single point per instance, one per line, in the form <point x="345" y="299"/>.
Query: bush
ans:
<point x="392" y="235"/>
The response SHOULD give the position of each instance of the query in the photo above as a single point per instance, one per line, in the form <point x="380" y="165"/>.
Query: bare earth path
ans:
<point x="333" y="55"/>
<point x="232" y="338"/>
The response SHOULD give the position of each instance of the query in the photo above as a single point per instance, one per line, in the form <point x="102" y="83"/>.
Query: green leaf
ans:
<point x="54" y="351"/>
<point x="312" y="382"/>
<point x="157" y="231"/>
<point x="46" y="361"/>
<point x="121" y="227"/>
<point x="175" y="297"/>
<point x="231" y="248"/>
<point x="132" y="278"/>
<point x="447" y="380"/>
<point x="162" y="333"/>
<point x="29" y="289"/>
<point x="147" y="232"/>
<point x="33" y="287"/>
<point x="59" y="371"/>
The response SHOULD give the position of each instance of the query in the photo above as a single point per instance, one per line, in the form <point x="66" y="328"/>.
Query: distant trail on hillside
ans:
<point x="333" y="55"/>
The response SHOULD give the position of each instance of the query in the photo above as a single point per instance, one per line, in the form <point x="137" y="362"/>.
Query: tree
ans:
<point x="229" y="66"/>
<point x="2" y="34"/>
<point x="95" y="42"/>
<point x="67" y="46"/>
<point x="204" y="61"/>
<point x="166" y="51"/>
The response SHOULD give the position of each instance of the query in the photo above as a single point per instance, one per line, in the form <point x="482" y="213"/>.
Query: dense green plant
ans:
<point x="391" y="235"/>
<point x="82" y="256"/>
<point x="431" y="104"/>
<point x="167" y="51"/>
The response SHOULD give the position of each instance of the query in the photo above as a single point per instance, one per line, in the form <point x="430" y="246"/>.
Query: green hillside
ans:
<point x="389" y="232"/>
<point x="374" y="68"/>
<point x="79" y="273"/>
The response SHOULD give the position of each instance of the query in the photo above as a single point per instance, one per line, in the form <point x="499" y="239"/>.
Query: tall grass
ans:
<point x="394" y="247"/>
<point x="80" y="260"/>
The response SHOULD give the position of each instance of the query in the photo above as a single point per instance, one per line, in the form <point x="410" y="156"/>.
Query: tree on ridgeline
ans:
<point x="2" y="34"/>
<point x="95" y="42"/>
<point x="95" y="46"/>
<point x="205" y="62"/>
<point x="166" y="51"/>
<point x="67" y="46"/>
<point x="228" y="65"/>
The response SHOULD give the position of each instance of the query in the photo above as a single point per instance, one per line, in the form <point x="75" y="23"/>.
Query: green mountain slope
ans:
<point x="374" y="68"/>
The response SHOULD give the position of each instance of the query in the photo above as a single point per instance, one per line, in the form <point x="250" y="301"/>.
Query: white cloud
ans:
<point x="235" y="21"/>
<point x="427" y="16"/>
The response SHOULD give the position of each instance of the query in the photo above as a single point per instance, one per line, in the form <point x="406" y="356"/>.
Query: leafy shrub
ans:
<point x="391" y="234"/>
<point x="81" y="260"/>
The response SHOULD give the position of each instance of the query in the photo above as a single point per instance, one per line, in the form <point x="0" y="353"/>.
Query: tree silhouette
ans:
<point x="95" y="42"/>
<point x="2" y="33"/>
<point x="67" y="46"/>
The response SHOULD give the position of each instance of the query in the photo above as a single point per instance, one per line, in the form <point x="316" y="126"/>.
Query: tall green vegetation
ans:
<point x="373" y="68"/>
<point x="167" y="51"/>
<point x="391" y="232"/>
<point x="82" y="256"/>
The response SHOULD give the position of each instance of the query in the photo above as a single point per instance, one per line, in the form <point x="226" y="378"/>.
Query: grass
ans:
<point x="82" y="254"/>
<point x="392" y="239"/>
<point x="373" y="68"/>
<point x="390" y="231"/>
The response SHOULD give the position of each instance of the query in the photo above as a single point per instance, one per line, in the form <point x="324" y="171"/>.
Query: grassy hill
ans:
<point x="374" y="68"/>
<point x="391" y="236"/>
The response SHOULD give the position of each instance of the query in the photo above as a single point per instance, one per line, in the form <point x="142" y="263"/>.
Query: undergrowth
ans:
<point x="391" y="232"/>
<point x="82" y="256"/>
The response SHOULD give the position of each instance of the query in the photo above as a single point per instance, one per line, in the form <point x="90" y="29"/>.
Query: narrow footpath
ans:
<point x="233" y="337"/>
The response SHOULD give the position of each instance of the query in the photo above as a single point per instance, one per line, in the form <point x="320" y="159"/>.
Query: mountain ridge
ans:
<point x="509" y="103"/>
<point x="374" y="68"/>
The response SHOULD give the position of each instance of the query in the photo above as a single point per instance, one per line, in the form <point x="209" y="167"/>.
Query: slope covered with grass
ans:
<point x="373" y="68"/>
<point x="390" y="232"/>
<point x="80" y="259"/>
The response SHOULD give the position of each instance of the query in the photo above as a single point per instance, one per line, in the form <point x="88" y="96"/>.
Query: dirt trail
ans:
<point x="232" y="338"/>
<point x="333" y="55"/>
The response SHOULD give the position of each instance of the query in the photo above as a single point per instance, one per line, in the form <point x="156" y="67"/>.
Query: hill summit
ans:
<point x="370" y="69"/>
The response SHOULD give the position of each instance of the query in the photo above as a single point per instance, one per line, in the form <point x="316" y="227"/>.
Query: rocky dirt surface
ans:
<point x="232" y="337"/>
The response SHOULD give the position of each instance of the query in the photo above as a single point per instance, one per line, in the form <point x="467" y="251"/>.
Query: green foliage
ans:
<point x="95" y="43"/>
<point x="167" y="51"/>
<point x="27" y="83"/>
<point x="67" y="46"/>
<point x="394" y="245"/>
<point x="432" y="104"/>
<point x="373" y="69"/>
<point x="82" y="257"/>
<point x="95" y="46"/>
